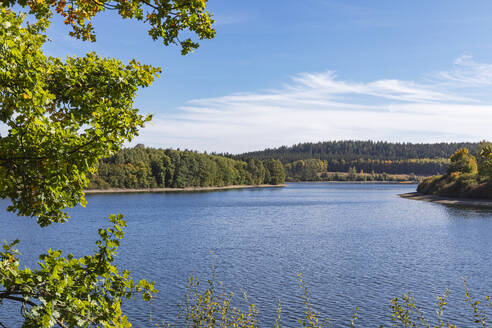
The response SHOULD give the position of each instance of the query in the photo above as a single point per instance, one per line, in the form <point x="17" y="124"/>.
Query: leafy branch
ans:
<point x="69" y="291"/>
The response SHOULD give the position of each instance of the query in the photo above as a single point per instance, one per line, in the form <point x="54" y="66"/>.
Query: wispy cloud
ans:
<point x="467" y="72"/>
<point x="320" y="106"/>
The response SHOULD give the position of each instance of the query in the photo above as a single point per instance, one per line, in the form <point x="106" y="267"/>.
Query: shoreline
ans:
<point x="358" y="182"/>
<point x="465" y="202"/>
<point x="186" y="189"/>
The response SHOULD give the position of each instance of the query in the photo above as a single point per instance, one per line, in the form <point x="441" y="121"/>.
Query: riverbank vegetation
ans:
<point x="142" y="167"/>
<point x="467" y="176"/>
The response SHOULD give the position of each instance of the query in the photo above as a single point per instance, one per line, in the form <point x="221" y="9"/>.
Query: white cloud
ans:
<point x="319" y="106"/>
<point x="467" y="73"/>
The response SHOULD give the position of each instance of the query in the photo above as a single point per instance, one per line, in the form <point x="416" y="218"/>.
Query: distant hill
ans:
<point x="351" y="149"/>
<point x="421" y="159"/>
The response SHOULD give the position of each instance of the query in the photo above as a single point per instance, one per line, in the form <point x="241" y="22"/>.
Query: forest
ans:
<point x="315" y="169"/>
<point x="350" y="150"/>
<point x="313" y="161"/>
<point x="467" y="176"/>
<point x="143" y="167"/>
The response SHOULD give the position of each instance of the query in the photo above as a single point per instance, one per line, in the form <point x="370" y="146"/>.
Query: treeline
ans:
<point x="351" y="150"/>
<point x="303" y="169"/>
<point x="318" y="170"/>
<point x="353" y="176"/>
<point x="142" y="167"/>
<point x="379" y="157"/>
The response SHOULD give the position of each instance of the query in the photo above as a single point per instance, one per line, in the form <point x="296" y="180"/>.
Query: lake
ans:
<point x="355" y="244"/>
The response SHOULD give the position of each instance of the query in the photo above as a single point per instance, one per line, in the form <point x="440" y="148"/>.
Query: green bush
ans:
<point x="429" y="185"/>
<point x="485" y="161"/>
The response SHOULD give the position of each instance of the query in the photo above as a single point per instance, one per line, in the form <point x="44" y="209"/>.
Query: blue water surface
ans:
<point x="357" y="245"/>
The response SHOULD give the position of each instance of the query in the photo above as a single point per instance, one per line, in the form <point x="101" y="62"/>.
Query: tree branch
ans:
<point x="18" y="299"/>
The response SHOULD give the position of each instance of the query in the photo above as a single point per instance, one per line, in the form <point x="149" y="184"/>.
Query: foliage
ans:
<point x="62" y="116"/>
<point x="305" y="170"/>
<point x="464" y="178"/>
<point x="350" y="150"/>
<point x="317" y="170"/>
<point x="456" y="184"/>
<point x="485" y="161"/>
<point x="257" y="171"/>
<point x="308" y="169"/>
<point x="425" y="166"/>
<point x="274" y="173"/>
<point x="143" y="167"/>
<point x="462" y="161"/>
<point x="428" y="185"/>
<point x="212" y="308"/>
<point x="405" y="313"/>
<point x="352" y="173"/>
<point x="69" y="291"/>
<point x="307" y="160"/>
<point x="311" y="318"/>
<point x="167" y="18"/>
<point x="408" y="314"/>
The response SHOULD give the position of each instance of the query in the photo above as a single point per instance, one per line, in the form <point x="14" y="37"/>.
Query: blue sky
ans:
<point x="283" y="72"/>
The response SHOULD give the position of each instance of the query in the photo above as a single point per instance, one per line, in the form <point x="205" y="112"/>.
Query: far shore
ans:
<point x="358" y="182"/>
<point x="187" y="189"/>
<point x="466" y="202"/>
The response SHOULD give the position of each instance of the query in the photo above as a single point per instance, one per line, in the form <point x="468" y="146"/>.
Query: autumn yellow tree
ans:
<point x="462" y="161"/>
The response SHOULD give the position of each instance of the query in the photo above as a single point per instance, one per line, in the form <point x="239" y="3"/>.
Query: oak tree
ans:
<point x="60" y="118"/>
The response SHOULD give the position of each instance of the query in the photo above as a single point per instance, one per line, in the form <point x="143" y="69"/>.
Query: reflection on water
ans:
<point x="356" y="245"/>
<point x="456" y="211"/>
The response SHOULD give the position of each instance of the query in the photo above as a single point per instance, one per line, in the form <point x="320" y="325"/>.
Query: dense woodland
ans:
<point x="142" y="167"/>
<point x="317" y="170"/>
<point x="314" y="169"/>
<point x="467" y="175"/>
<point x="350" y="150"/>
<point x="368" y="156"/>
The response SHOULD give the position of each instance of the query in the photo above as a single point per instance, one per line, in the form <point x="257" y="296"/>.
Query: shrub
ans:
<point x="462" y="161"/>
<point x="485" y="162"/>
<point x="429" y="185"/>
